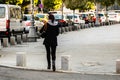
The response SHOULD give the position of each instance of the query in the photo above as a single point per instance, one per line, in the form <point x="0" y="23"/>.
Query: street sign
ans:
<point x="40" y="5"/>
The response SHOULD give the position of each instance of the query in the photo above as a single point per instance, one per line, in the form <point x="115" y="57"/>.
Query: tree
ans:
<point x="14" y="2"/>
<point x="2" y="1"/>
<point x="118" y="2"/>
<point x="87" y="6"/>
<point x="22" y="3"/>
<point x="79" y="4"/>
<point x="107" y="3"/>
<point x="72" y="4"/>
<point x="52" y="4"/>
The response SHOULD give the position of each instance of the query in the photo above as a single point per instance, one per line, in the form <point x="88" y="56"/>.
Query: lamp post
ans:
<point x="62" y="7"/>
<point x="97" y="23"/>
<point x="32" y="36"/>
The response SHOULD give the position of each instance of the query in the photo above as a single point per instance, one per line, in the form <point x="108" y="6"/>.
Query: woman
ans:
<point x="50" y="40"/>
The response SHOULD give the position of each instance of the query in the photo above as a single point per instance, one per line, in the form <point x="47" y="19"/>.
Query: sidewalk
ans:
<point x="93" y="50"/>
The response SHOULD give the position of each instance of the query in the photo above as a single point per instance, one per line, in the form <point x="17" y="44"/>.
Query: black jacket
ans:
<point x="51" y="33"/>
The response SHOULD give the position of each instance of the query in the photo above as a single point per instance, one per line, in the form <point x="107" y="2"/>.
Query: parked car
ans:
<point x="42" y="16"/>
<point x="114" y="17"/>
<point x="102" y="17"/>
<point x="61" y="19"/>
<point x="27" y="22"/>
<point x="84" y="17"/>
<point x="75" y="18"/>
<point x="88" y="17"/>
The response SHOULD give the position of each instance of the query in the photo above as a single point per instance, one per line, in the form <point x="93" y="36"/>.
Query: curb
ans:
<point x="59" y="71"/>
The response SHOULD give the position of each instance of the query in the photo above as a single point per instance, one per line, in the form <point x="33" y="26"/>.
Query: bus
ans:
<point x="10" y="20"/>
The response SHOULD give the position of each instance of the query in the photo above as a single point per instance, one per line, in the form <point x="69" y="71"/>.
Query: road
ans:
<point x="19" y="74"/>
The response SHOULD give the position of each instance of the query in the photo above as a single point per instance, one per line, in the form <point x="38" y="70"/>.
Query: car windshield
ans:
<point x="84" y="15"/>
<point x="71" y="16"/>
<point x="40" y="15"/>
<point x="27" y="17"/>
<point x="58" y="16"/>
<point x="100" y="15"/>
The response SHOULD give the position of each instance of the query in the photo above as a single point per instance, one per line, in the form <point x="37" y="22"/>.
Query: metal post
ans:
<point x="107" y="20"/>
<point x="62" y="10"/>
<point x="97" y="23"/>
<point x="32" y="36"/>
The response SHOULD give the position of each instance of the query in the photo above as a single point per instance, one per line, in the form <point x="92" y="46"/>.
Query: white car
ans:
<point x="27" y="22"/>
<point x="42" y="16"/>
<point x="102" y="17"/>
<point x="75" y="18"/>
<point x="114" y="17"/>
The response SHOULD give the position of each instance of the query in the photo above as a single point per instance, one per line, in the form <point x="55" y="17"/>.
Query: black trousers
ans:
<point x="51" y="53"/>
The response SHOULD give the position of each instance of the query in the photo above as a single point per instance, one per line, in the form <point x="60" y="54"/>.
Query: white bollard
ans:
<point x="24" y="37"/>
<point x="65" y="62"/>
<point x="60" y="30"/>
<point x="21" y="59"/>
<point x="12" y="40"/>
<point x="19" y="40"/>
<point x="5" y="42"/>
<point x="118" y="66"/>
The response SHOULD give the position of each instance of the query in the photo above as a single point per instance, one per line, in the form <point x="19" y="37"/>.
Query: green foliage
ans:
<point x="57" y="4"/>
<point x="52" y="4"/>
<point x="72" y="4"/>
<point x="79" y="4"/>
<point x="89" y="5"/>
<point x="2" y="1"/>
<point x="107" y="3"/>
<point x="96" y="1"/>
<point x="22" y="3"/>
<point x="118" y="2"/>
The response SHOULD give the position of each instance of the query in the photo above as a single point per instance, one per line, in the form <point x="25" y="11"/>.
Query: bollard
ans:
<point x="89" y="25"/>
<point x="63" y="29"/>
<point x="19" y="40"/>
<point x="78" y="27"/>
<point x="12" y="40"/>
<point x="21" y="59"/>
<point x="93" y="24"/>
<point x="118" y="66"/>
<point x="5" y="42"/>
<point x="65" y="62"/>
<point x="82" y="26"/>
<point x="70" y="28"/>
<point x="86" y="25"/>
<point x="101" y="24"/>
<point x="60" y="30"/>
<point x="73" y="28"/>
<point x="24" y="37"/>
<point x="66" y="29"/>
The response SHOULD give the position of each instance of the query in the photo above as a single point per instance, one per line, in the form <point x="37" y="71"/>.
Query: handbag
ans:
<point x="43" y="34"/>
